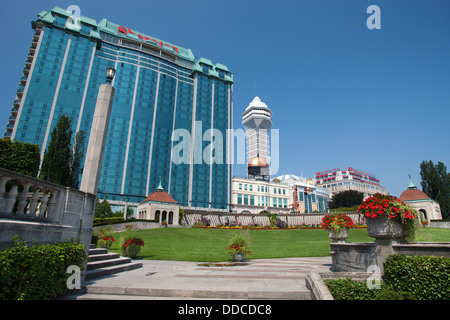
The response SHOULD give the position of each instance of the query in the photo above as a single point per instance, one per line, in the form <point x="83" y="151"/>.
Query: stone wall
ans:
<point x="440" y="224"/>
<point x="357" y="257"/>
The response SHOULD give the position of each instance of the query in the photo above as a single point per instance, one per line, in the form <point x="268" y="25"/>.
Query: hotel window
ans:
<point x="284" y="191"/>
<point x="251" y="187"/>
<point x="252" y="200"/>
<point x="240" y="186"/>
<point x="285" y="203"/>
<point x="245" y="187"/>
<point x="239" y="199"/>
<point x="245" y="199"/>
<point x="300" y="196"/>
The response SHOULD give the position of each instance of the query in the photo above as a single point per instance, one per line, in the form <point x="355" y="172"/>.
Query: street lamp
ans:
<point x="110" y="73"/>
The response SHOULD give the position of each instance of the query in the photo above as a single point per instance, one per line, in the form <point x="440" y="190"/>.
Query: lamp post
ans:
<point x="110" y="73"/>
<point x="94" y="155"/>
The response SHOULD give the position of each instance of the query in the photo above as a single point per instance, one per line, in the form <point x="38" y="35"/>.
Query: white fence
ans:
<point x="215" y="219"/>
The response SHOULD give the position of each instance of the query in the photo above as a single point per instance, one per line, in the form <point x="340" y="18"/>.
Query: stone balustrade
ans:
<point x="43" y="212"/>
<point x="26" y="198"/>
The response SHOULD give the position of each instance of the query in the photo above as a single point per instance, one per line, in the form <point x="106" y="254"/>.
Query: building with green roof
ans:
<point x="160" y="87"/>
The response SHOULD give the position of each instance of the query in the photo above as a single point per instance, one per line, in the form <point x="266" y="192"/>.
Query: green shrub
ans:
<point x="389" y="294"/>
<point x="37" y="272"/>
<point x="107" y="221"/>
<point x="426" y="277"/>
<point x="348" y="289"/>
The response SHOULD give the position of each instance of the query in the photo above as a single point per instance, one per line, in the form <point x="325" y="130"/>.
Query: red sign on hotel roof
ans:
<point x="127" y="31"/>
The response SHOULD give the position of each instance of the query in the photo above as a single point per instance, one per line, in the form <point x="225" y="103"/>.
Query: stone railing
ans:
<point x="26" y="198"/>
<point x="44" y="212"/>
<point x="261" y="219"/>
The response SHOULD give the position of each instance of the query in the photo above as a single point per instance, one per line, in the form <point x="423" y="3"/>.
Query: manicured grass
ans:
<point x="208" y="245"/>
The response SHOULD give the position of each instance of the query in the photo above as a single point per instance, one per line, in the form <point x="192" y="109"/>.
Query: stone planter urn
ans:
<point x="338" y="236"/>
<point x="132" y="251"/>
<point x="383" y="228"/>
<point x="238" y="257"/>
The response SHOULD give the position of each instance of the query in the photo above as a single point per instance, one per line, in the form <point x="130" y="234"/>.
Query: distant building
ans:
<point x="255" y="196"/>
<point x="257" y="120"/>
<point x="256" y="193"/>
<point x="306" y="197"/>
<point x="427" y="208"/>
<point x="159" y="205"/>
<point x="337" y="180"/>
<point x="277" y="196"/>
<point x="161" y="88"/>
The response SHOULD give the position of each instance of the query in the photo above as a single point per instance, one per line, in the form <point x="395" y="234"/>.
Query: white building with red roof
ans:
<point x="160" y="206"/>
<point x="428" y="208"/>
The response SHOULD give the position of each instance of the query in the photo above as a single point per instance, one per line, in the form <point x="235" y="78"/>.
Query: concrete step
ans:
<point x="126" y="293"/>
<point x="103" y="256"/>
<point x="89" y="296"/>
<point x="107" y="263"/>
<point x="97" y="251"/>
<point x="112" y="269"/>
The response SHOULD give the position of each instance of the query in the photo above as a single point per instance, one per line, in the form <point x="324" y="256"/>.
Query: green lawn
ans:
<point x="208" y="245"/>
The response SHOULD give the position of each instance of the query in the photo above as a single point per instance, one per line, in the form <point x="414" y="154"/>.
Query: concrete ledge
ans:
<point x="319" y="290"/>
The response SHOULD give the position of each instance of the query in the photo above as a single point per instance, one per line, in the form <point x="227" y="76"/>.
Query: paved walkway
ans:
<point x="255" y="279"/>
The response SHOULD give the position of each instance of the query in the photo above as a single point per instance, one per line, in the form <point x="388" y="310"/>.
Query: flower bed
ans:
<point x="337" y="221"/>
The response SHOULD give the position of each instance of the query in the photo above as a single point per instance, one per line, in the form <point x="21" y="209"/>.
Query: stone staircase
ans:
<point x="102" y="263"/>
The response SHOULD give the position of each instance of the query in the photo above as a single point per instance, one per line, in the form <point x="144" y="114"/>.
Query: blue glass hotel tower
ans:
<point x="160" y="87"/>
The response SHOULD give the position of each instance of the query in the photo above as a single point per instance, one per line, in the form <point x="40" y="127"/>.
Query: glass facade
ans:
<point x="159" y="88"/>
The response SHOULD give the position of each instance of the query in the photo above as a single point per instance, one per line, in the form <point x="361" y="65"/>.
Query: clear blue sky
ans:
<point x="342" y="95"/>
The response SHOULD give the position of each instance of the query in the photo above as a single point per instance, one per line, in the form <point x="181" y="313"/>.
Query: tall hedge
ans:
<point x="19" y="156"/>
<point x="37" y="272"/>
<point x="426" y="277"/>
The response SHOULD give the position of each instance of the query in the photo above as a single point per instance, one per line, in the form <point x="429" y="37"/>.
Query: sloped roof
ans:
<point x="159" y="196"/>
<point x="413" y="194"/>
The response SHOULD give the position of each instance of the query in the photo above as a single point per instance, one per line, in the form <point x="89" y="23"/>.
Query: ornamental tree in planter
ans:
<point x="388" y="217"/>
<point x="238" y="246"/>
<point x="337" y="226"/>
<point x="130" y="243"/>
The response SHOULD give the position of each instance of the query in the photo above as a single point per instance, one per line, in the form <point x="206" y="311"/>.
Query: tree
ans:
<point x="19" y="156"/>
<point x="349" y="198"/>
<point x="103" y="209"/>
<point x="436" y="184"/>
<point x="76" y="158"/>
<point x="61" y="163"/>
<point x="56" y="163"/>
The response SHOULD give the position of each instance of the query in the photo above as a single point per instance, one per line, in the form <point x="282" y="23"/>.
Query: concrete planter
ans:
<point x="238" y="257"/>
<point x="338" y="236"/>
<point x="132" y="251"/>
<point x="382" y="227"/>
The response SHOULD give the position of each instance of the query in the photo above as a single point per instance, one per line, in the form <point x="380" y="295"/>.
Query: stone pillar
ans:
<point x="97" y="140"/>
